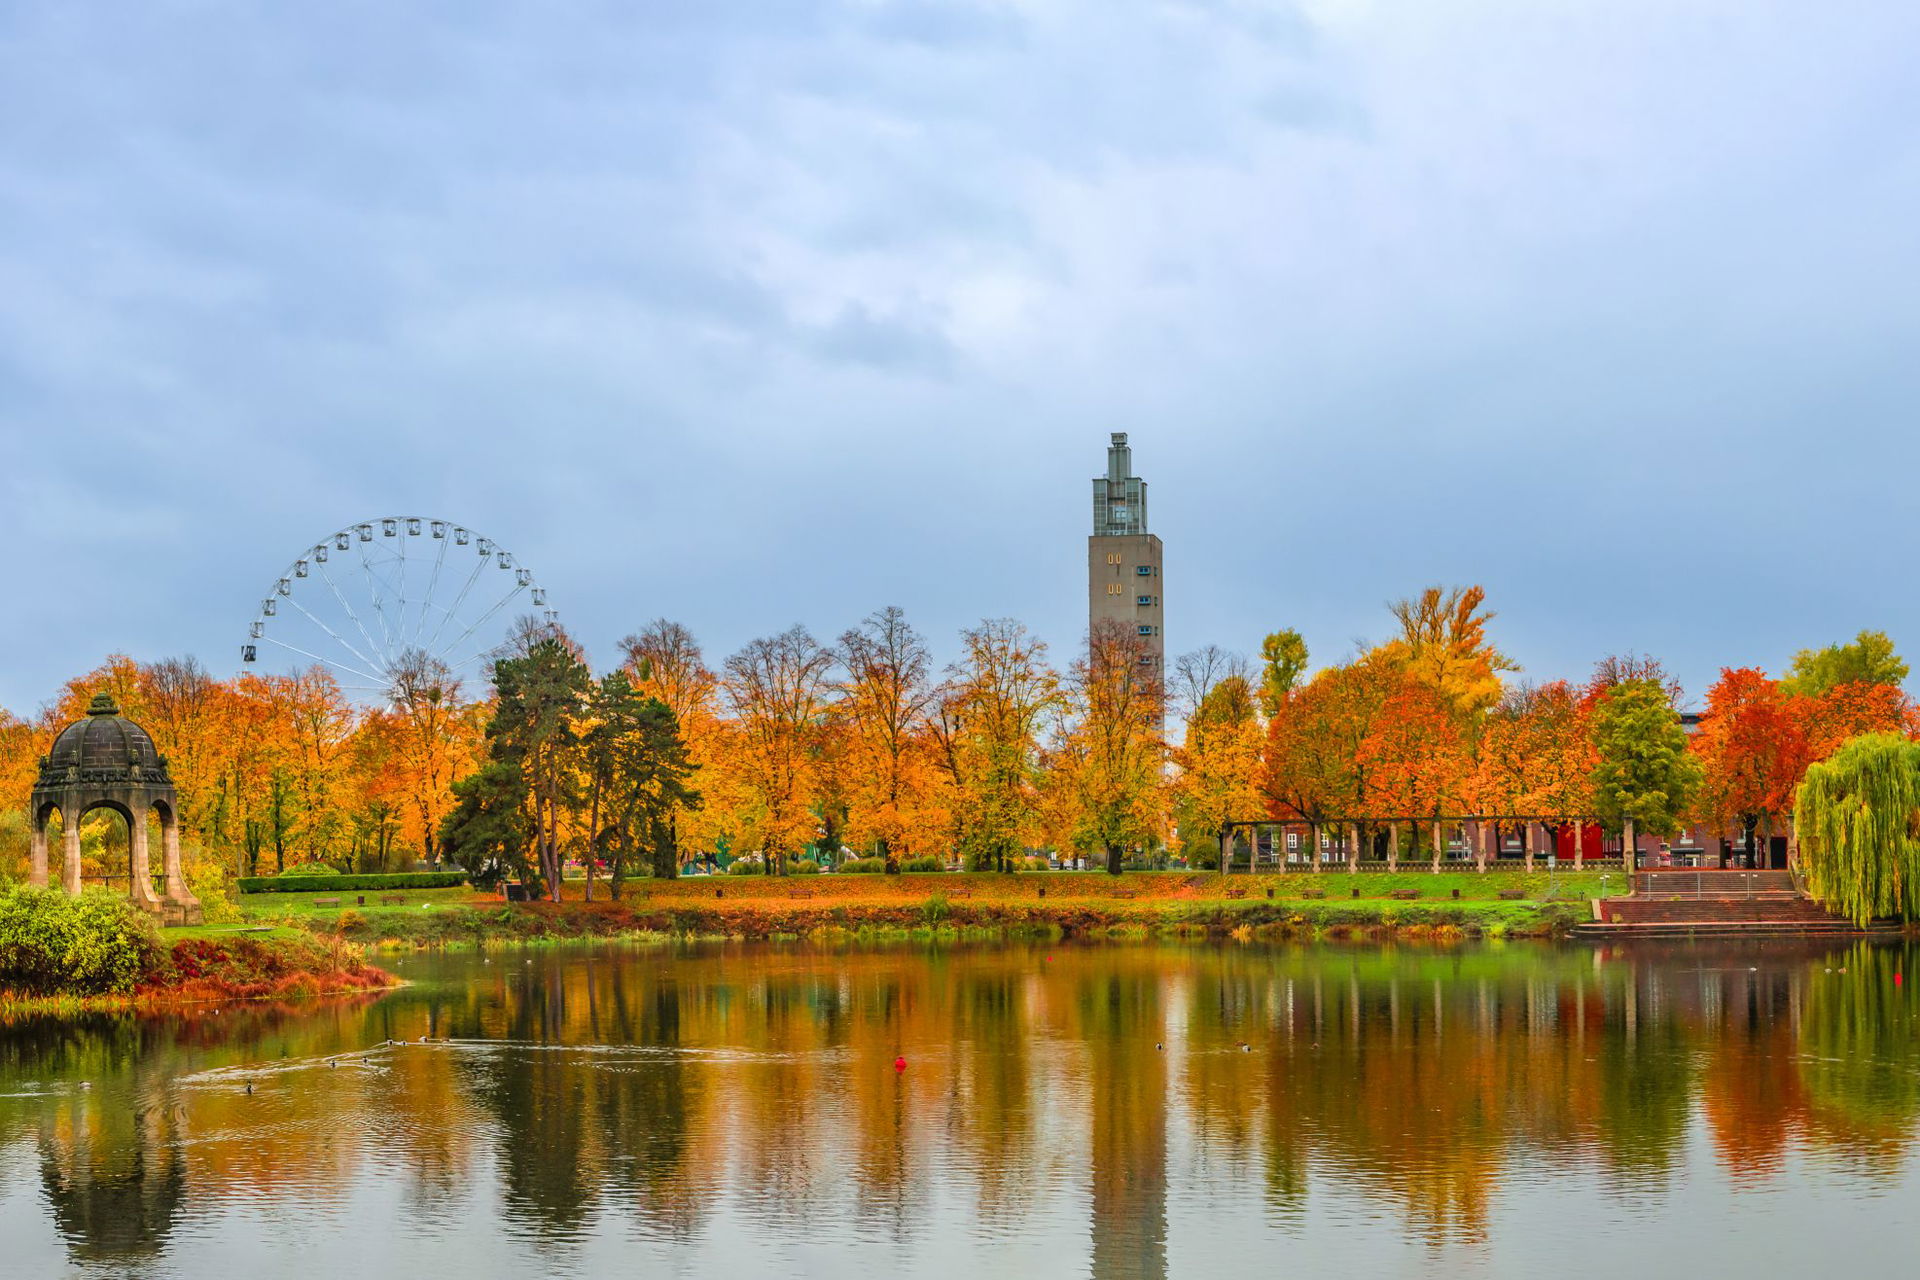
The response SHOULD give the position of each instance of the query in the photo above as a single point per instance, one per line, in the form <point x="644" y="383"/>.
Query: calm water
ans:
<point x="1338" y="1111"/>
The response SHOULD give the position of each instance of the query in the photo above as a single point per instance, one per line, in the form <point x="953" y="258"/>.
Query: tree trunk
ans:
<point x="1113" y="859"/>
<point x="593" y="838"/>
<point x="1313" y="847"/>
<point x="888" y="856"/>
<point x="1393" y="848"/>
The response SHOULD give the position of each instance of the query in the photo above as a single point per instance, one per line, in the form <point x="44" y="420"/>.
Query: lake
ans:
<point x="1107" y="1110"/>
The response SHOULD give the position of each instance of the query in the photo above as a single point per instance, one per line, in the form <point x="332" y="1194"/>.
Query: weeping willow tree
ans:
<point x="1858" y="820"/>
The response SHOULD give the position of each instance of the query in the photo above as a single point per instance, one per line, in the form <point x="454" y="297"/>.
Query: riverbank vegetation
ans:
<point x="97" y="950"/>
<point x="794" y="754"/>
<point x="981" y="904"/>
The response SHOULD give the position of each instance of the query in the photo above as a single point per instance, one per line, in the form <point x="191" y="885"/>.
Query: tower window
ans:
<point x="1145" y="570"/>
<point x="1145" y="600"/>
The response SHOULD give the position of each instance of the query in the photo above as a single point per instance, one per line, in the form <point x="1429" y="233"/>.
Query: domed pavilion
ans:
<point x="106" y="761"/>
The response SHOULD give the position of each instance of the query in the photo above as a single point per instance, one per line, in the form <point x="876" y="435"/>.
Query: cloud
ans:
<point x="745" y="313"/>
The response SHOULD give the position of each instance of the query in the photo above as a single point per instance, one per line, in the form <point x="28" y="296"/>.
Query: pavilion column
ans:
<point x="1436" y="846"/>
<point x="1393" y="847"/>
<point x="70" y="853"/>
<point x="37" y="856"/>
<point x="177" y="890"/>
<point x="141" y="887"/>
<point x="1353" y="847"/>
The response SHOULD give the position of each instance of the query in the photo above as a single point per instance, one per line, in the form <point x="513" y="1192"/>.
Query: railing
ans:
<point x="1710" y="884"/>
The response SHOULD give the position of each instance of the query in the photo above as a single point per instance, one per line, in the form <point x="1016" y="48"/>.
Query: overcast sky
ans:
<point x="749" y="314"/>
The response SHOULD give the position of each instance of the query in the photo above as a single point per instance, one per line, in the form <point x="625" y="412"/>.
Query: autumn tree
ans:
<point x="666" y="662"/>
<point x="1110" y="752"/>
<point x="1283" y="661"/>
<point x="1415" y="755"/>
<point x="1198" y="673"/>
<point x="885" y="693"/>
<point x="1443" y="641"/>
<point x="1869" y="659"/>
<point x="1644" y="777"/>
<point x="1315" y="768"/>
<point x="1846" y="711"/>
<point x="986" y="723"/>
<point x="435" y="742"/>
<point x="777" y="687"/>
<point x="1219" y="764"/>
<point x="1535" y="757"/>
<point x="1753" y="748"/>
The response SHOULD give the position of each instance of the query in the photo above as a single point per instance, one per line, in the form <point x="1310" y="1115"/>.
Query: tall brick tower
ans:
<point x="1123" y="559"/>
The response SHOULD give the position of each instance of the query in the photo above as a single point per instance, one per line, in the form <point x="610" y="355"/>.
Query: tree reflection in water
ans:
<point x="741" y="1098"/>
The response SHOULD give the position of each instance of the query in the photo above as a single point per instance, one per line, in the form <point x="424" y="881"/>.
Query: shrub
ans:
<point x="803" y="867"/>
<point x="315" y="868"/>
<point x="864" y="866"/>
<point x="745" y="867"/>
<point x="927" y="863"/>
<point x="1032" y="864"/>
<point x="321" y="883"/>
<point x="51" y="943"/>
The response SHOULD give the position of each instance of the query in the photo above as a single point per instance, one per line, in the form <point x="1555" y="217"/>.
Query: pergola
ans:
<point x="106" y="761"/>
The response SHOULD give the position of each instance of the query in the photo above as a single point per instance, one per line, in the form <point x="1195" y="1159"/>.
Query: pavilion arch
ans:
<point x="108" y="762"/>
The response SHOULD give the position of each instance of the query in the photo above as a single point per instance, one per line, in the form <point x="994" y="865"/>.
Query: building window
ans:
<point x="1145" y="600"/>
<point x="1145" y="570"/>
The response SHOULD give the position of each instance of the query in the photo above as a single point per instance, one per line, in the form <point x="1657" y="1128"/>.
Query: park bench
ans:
<point x="1405" y="895"/>
<point x="1236" y="893"/>
<point x="1313" y="893"/>
<point x="326" y="902"/>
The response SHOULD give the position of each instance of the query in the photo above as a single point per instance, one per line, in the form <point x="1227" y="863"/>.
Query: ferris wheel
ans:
<point x="392" y="600"/>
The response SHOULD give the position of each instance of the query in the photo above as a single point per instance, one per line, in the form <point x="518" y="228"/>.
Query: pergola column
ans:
<point x="140" y="889"/>
<point x="37" y="853"/>
<point x="177" y="891"/>
<point x="70" y="852"/>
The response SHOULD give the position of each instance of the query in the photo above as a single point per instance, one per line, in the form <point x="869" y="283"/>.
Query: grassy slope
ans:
<point x="1074" y="902"/>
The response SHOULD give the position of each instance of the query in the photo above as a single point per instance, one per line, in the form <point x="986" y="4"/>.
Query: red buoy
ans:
<point x="899" y="1064"/>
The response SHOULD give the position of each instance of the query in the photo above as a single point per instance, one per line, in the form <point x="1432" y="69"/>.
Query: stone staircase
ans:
<point x="1680" y="903"/>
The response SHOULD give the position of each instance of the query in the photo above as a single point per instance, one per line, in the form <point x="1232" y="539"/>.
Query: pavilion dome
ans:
<point x="104" y="747"/>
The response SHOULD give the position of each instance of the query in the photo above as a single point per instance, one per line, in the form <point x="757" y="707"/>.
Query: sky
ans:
<point x="755" y="314"/>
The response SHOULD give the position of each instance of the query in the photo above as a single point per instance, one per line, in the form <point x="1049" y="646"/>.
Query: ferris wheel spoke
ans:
<point x="433" y="580"/>
<point x="500" y="604"/>
<point x="337" y="666"/>
<point x="337" y="637"/>
<point x="458" y="600"/>
<point x="347" y="608"/>
<point x="379" y="613"/>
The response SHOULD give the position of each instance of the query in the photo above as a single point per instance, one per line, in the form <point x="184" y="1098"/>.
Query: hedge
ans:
<point x="345" y="883"/>
<point x="51" y="942"/>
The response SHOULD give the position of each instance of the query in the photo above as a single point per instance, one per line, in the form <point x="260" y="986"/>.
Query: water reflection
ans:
<point x="1121" y="1111"/>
